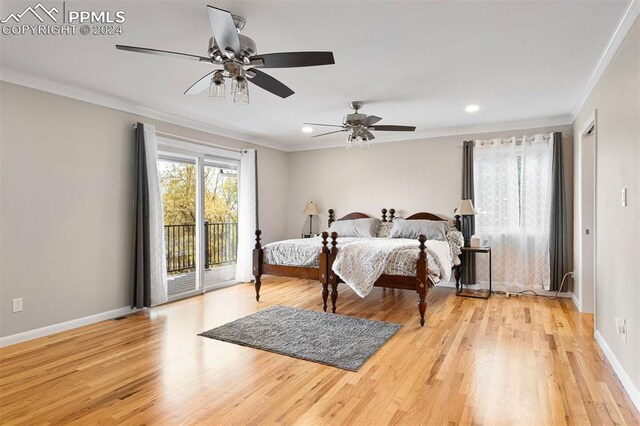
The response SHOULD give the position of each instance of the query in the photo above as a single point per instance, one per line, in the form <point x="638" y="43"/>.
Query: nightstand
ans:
<point x="478" y="294"/>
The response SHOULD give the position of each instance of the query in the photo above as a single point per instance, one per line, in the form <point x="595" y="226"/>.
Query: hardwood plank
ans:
<point x="498" y="361"/>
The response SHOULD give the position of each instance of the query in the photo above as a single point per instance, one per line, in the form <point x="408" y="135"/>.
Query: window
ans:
<point x="512" y="185"/>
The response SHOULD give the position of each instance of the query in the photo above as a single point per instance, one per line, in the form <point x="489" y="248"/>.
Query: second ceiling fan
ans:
<point x="240" y="62"/>
<point x="360" y="127"/>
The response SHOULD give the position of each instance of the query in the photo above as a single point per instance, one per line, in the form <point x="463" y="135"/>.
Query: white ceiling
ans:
<point x="414" y="63"/>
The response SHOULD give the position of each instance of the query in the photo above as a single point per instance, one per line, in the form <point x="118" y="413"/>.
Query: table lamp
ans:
<point x="466" y="209"/>
<point x="311" y="210"/>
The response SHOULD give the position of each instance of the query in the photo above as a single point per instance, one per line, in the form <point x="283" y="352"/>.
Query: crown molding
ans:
<point x="622" y="29"/>
<point x="50" y="86"/>
<point x="563" y="120"/>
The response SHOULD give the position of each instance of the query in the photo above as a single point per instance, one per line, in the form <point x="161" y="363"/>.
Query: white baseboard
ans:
<point x="627" y="383"/>
<point x="565" y="295"/>
<point x="63" y="326"/>
<point x="577" y="302"/>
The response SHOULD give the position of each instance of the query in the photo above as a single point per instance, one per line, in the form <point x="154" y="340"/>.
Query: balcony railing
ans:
<point x="221" y="245"/>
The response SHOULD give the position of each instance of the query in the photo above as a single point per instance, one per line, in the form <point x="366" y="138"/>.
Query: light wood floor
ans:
<point x="502" y="361"/>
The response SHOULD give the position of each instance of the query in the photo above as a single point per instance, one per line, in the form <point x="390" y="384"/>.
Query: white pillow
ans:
<point x="432" y="229"/>
<point x="366" y="228"/>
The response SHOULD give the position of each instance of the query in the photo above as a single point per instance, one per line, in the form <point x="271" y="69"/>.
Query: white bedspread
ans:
<point x="360" y="263"/>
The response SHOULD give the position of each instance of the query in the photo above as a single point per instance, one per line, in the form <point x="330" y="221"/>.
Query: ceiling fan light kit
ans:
<point x="360" y="126"/>
<point x="238" y="56"/>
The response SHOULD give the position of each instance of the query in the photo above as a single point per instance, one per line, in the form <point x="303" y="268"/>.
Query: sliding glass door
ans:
<point x="200" y="203"/>
<point x="178" y="185"/>
<point x="221" y="220"/>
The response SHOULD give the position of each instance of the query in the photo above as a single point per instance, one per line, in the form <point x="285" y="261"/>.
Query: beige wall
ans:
<point x="66" y="205"/>
<point x="423" y="175"/>
<point x="617" y="101"/>
<point x="67" y="176"/>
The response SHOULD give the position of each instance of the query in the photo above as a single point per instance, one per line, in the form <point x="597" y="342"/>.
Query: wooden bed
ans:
<point x="330" y="280"/>
<point x="419" y="283"/>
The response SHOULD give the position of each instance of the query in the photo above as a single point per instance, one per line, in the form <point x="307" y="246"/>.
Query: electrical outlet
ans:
<point x="621" y="328"/>
<point x="17" y="305"/>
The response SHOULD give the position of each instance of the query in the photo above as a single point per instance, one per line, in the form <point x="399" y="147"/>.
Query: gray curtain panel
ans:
<point x="558" y="249"/>
<point x="468" y="222"/>
<point x="141" y="295"/>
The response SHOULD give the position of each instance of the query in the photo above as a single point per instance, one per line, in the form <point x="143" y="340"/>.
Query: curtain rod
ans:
<point x="196" y="141"/>
<point x="518" y="140"/>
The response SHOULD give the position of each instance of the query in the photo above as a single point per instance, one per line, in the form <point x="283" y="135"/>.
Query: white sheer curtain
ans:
<point x="513" y="198"/>
<point x="247" y="214"/>
<point x="157" y="254"/>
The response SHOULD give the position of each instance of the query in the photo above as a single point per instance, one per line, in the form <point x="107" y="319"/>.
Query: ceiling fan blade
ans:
<point x="329" y="133"/>
<point x="163" y="53"/>
<point x="293" y="59"/>
<point x="371" y="119"/>
<point x="200" y="85"/>
<point x="268" y="83"/>
<point x="369" y="134"/>
<point x="325" y="125"/>
<point x="393" y="128"/>
<point x="224" y="30"/>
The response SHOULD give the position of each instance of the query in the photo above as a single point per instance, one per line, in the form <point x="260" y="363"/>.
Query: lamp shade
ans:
<point x="311" y="209"/>
<point x="466" y="208"/>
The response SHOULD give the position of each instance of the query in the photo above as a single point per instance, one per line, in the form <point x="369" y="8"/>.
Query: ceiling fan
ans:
<point x="360" y="127"/>
<point x="238" y="56"/>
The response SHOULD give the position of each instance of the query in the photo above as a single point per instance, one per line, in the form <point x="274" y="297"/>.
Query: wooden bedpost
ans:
<point x="257" y="263"/>
<point x="333" y="278"/>
<point x="457" y="222"/>
<point x="384" y="215"/>
<point x="324" y="271"/>
<point x="331" y="219"/>
<point x="392" y="214"/>
<point x="422" y="277"/>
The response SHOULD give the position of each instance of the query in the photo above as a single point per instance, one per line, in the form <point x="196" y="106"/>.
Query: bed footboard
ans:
<point x="419" y="283"/>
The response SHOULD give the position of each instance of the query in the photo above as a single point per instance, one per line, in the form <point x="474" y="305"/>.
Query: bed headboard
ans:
<point x="431" y="216"/>
<point x="425" y="216"/>
<point x="358" y="215"/>
<point x="392" y="215"/>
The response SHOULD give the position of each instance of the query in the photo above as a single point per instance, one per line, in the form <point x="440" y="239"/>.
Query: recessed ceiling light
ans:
<point x="472" y="108"/>
<point x="307" y="129"/>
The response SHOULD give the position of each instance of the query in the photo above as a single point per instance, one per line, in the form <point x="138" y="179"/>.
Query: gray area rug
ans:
<point x="331" y="339"/>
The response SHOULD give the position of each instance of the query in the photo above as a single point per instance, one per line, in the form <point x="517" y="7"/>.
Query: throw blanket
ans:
<point x="361" y="263"/>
